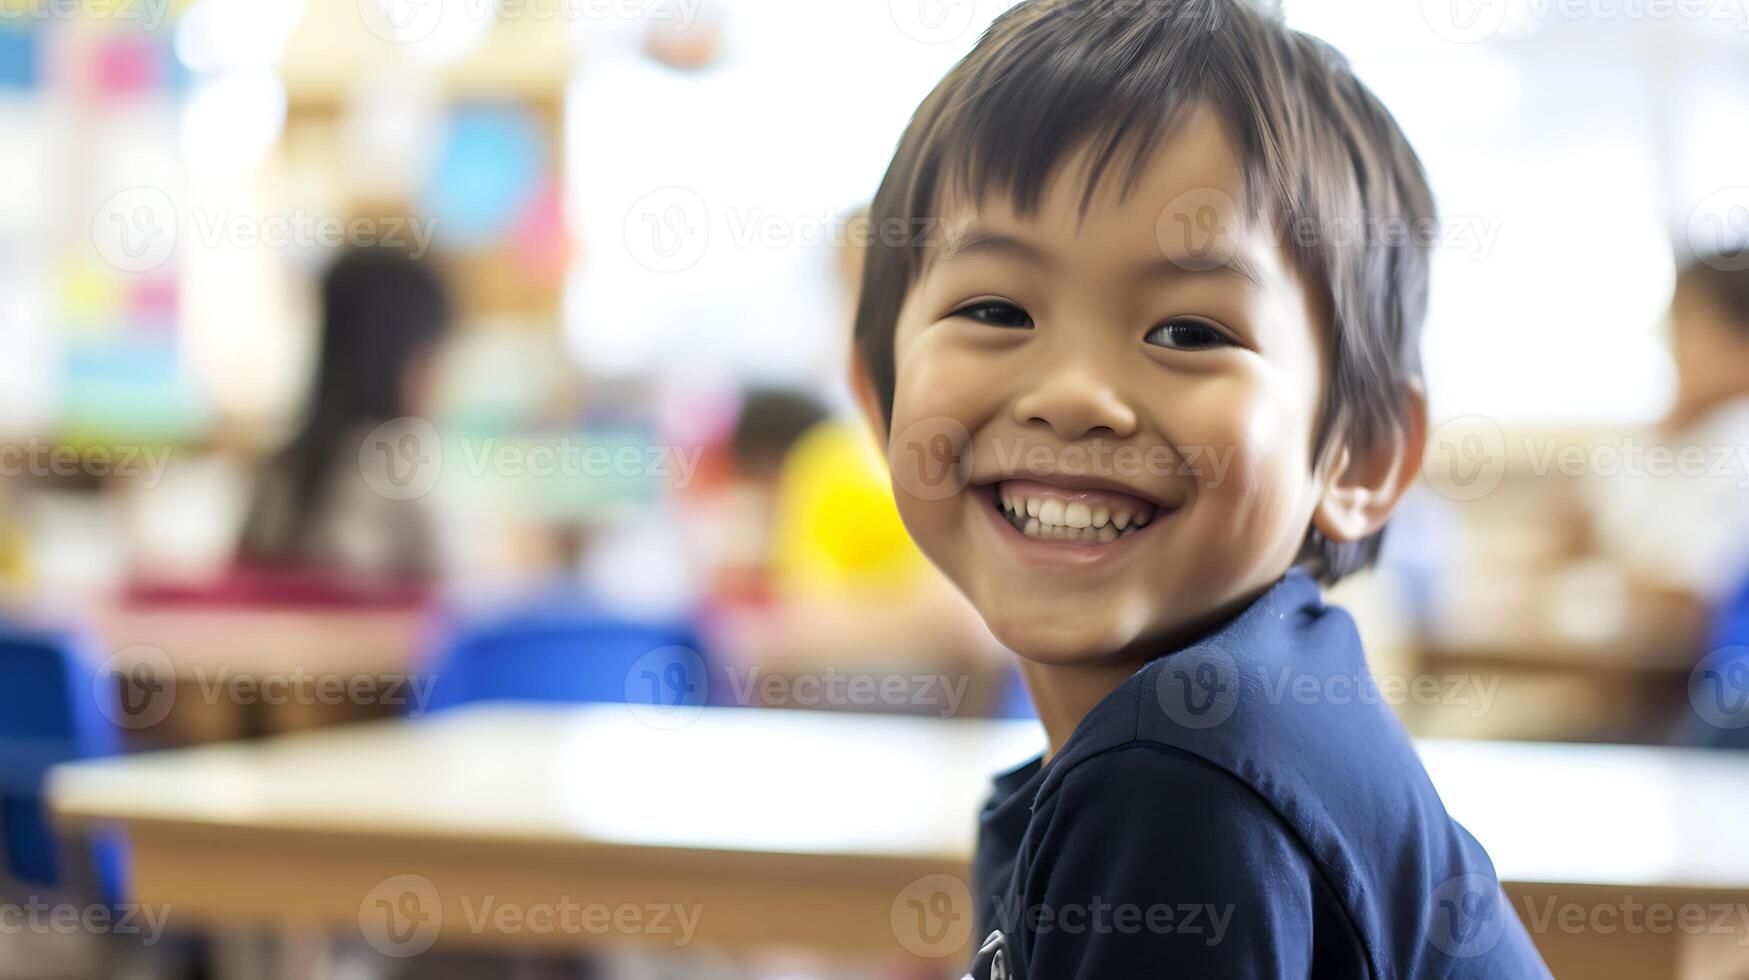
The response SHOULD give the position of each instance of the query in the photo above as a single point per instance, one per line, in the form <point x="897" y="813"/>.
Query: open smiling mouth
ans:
<point x="1073" y="516"/>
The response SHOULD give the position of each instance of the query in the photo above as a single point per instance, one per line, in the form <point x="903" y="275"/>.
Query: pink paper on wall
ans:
<point x="129" y="66"/>
<point x="539" y="239"/>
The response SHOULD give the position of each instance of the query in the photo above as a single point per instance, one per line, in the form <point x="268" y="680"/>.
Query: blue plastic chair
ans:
<point x="1731" y="625"/>
<point x="52" y="704"/>
<point x="573" y="656"/>
<point x="1730" y="631"/>
<point x="1014" y="703"/>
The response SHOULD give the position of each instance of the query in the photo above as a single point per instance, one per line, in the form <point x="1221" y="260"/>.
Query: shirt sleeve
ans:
<point x="1155" y="863"/>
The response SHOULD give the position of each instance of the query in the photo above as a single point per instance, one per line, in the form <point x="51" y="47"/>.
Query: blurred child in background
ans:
<point x="1680" y="523"/>
<point x="1678" y="526"/>
<point x="771" y="422"/>
<point x="383" y="315"/>
<point x="815" y="572"/>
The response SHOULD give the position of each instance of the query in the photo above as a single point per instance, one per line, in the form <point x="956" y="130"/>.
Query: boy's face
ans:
<point x="1132" y="395"/>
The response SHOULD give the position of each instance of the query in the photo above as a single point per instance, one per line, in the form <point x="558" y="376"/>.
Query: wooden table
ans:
<point x="523" y="825"/>
<point x="221" y="672"/>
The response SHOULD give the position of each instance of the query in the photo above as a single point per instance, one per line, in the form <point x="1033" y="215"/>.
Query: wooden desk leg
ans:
<point x="304" y="956"/>
<point x="1716" y="956"/>
<point x="241" y="954"/>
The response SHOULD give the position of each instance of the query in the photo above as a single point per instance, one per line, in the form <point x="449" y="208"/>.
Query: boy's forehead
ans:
<point x="1185" y="210"/>
<point x="1186" y="197"/>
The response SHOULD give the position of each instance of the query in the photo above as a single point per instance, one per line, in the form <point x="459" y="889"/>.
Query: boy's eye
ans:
<point x="995" y="313"/>
<point x="1187" y="335"/>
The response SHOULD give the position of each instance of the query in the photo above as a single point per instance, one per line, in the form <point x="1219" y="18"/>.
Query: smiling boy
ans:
<point x="1146" y="235"/>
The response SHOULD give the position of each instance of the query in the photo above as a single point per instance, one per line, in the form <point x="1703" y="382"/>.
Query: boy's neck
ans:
<point x="1063" y="694"/>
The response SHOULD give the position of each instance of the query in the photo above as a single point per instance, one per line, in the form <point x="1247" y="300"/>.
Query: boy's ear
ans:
<point x="1363" y="488"/>
<point x="866" y="399"/>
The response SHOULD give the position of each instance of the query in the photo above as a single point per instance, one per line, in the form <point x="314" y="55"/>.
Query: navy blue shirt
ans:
<point x="1243" y="807"/>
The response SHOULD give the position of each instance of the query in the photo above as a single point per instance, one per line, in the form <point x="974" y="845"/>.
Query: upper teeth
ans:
<point x="1048" y="513"/>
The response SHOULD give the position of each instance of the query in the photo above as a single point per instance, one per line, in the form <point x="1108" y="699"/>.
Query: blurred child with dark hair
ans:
<point x="1680" y="524"/>
<point x="814" y="571"/>
<point x="384" y="313"/>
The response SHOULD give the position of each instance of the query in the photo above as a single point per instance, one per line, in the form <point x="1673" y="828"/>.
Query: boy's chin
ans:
<point x="1059" y="640"/>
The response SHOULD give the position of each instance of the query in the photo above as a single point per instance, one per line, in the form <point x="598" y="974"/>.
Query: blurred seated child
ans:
<point x="314" y="511"/>
<point x="819" y="573"/>
<point x="1681" y="529"/>
<point x="770" y="423"/>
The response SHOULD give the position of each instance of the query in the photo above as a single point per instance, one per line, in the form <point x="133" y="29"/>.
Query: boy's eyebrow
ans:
<point x="1230" y="262"/>
<point x="977" y="240"/>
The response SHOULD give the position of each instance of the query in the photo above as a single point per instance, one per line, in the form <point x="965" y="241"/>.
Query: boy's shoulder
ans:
<point x="1264" y="746"/>
<point x="1279" y="697"/>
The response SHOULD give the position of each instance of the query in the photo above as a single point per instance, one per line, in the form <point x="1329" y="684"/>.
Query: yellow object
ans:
<point x="91" y="296"/>
<point x="837" y="526"/>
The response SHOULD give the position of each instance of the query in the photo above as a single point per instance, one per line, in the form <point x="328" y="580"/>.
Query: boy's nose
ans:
<point x="1076" y="403"/>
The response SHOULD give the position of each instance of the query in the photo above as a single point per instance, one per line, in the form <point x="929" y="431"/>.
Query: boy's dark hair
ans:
<point x="1716" y="276"/>
<point x="1321" y="156"/>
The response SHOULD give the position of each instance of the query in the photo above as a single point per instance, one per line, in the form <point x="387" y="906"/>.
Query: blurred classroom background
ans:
<point x="363" y="359"/>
